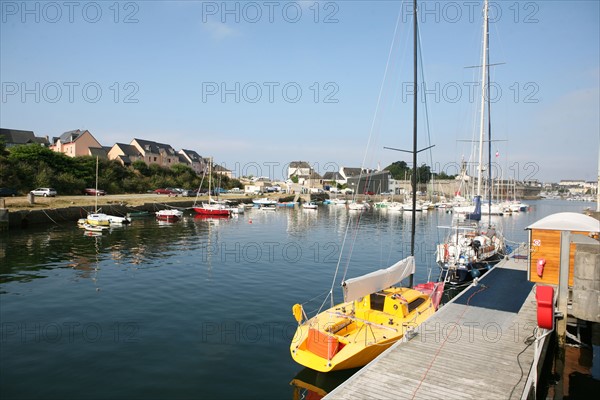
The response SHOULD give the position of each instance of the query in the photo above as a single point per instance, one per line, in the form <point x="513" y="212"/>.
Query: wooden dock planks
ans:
<point x="461" y="352"/>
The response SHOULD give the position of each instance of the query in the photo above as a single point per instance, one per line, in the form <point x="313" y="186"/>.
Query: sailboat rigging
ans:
<point x="470" y="251"/>
<point x="213" y="208"/>
<point x="375" y="313"/>
<point x="97" y="221"/>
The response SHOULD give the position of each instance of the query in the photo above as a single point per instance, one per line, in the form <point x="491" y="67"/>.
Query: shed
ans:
<point x="544" y="243"/>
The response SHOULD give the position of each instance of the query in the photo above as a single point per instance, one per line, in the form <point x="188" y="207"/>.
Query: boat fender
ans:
<point x="545" y="306"/>
<point x="297" y="311"/>
<point x="541" y="263"/>
<point x="475" y="273"/>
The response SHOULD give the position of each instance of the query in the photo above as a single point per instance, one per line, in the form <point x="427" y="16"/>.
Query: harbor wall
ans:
<point x="25" y="218"/>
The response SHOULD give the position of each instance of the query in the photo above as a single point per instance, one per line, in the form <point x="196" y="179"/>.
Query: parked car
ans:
<point x="94" y="192"/>
<point x="189" y="192"/>
<point x="45" y="192"/>
<point x="165" y="191"/>
<point x="6" y="192"/>
<point x="389" y="192"/>
<point x="369" y="193"/>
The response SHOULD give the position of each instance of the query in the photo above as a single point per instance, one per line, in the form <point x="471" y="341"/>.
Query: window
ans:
<point x="377" y="301"/>
<point x="415" y="303"/>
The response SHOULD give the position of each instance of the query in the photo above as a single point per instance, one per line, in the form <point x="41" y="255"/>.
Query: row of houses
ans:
<point x="78" y="142"/>
<point x="82" y="143"/>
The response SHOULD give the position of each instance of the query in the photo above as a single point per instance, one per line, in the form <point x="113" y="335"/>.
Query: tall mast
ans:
<point x="414" y="172"/>
<point x="598" y="185"/>
<point x="209" y="179"/>
<point x="486" y="67"/>
<point x="483" y="87"/>
<point x="96" y="192"/>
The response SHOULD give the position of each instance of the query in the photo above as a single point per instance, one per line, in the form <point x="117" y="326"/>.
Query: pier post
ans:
<point x="563" y="285"/>
<point x="561" y="323"/>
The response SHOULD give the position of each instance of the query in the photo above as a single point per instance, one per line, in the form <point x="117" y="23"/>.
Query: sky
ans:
<point x="258" y="84"/>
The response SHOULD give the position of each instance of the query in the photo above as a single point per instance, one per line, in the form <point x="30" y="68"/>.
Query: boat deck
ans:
<point x="476" y="346"/>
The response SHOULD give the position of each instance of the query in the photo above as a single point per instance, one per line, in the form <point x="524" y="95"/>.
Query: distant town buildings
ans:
<point x="78" y="142"/>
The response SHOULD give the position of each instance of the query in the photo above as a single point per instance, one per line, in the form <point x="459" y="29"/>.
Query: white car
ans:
<point x="45" y="192"/>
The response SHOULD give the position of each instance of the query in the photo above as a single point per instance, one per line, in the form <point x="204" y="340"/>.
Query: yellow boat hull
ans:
<point x="350" y="335"/>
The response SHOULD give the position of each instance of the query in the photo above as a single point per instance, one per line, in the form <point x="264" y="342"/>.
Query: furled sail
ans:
<point x="361" y="286"/>
<point x="476" y="214"/>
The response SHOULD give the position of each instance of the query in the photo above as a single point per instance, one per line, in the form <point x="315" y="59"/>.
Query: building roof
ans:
<point x="69" y="136"/>
<point x="124" y="159"/>
<point x="155" y="147"/>
<point x="98" y="151"/>
<point x="299" y="164"/>
<point x="348" y="171"/>
<point x="16" y="136"/>
<point x="332" y="176"/>
<point x="191" y="155"/>
<point x="567" y="221"/>
<point x="219" y="168"/>
<point x="129" y="149"/>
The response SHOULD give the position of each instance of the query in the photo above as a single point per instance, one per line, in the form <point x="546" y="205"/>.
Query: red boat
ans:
<point x="213" y="210"/>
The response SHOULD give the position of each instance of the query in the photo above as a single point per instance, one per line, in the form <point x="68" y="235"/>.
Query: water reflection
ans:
<point x="314" y="385"/>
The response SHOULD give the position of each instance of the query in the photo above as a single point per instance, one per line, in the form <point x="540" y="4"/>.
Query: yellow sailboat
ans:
<point x="373" y="316"/>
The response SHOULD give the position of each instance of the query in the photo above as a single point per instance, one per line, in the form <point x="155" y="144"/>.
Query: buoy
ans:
<point x="544" y="296"/>
<point x="249" y="221"/>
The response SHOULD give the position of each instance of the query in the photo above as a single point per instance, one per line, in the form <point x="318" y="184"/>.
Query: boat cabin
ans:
<point x="396" y="302"/>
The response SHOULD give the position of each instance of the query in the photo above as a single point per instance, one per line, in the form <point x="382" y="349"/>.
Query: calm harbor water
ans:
<point x="199" y="308"/>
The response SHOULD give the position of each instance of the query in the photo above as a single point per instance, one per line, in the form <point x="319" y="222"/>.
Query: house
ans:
<point x="375" y="182"/>
<point x="194" y="160"/>
<point x="301" y="169"/>
<point x="15" y="137"/>
<point x="306" y="175"/>
<point x="352" y="172"/>
<point x="333" y="178"/>
<point x="221" y="170"/>
<point x="75" y="143"/>
<point x="156" y="153"/>
<point x="126" y="154"/>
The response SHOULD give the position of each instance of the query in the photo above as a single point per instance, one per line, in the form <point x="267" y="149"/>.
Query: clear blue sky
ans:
<point x="265" y="83"/>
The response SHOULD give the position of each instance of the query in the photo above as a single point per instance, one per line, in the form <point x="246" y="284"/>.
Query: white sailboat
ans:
<point x="97" y="218"/>
<point x="470" y="250"/>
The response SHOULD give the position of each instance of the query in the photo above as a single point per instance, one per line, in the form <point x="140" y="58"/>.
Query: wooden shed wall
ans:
<point x="546" y="244"/>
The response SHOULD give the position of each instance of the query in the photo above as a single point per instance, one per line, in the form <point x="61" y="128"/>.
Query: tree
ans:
<point x="399" y="170"/>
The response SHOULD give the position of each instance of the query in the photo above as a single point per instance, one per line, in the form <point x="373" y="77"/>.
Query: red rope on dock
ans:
<point x="444" y="342"/>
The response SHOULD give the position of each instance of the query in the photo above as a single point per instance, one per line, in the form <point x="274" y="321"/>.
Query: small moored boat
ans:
<point x="170" y="215"/>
